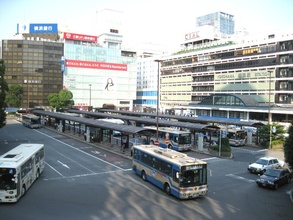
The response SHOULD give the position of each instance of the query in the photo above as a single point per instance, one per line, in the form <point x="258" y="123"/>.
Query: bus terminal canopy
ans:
<point x="206" y="120"/>
<point x="149" y="121"/>
<point x="126" y="129"/>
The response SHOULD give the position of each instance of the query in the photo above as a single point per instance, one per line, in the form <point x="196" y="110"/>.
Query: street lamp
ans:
<point x="158" y="97"/>
<point x="28" y="97"/>
<point x="269" y="111"/>
<point x="90" y="94"/>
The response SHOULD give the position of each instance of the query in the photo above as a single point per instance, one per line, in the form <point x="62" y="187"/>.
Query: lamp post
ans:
<point x="90" y="94"/>
<point x="28" y="97"/>
<point x="158" y="97"/>
<point x="269" y="111"/>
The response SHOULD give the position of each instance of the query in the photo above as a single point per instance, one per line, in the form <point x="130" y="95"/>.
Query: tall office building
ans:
<point x="223" y="23"/>
<point x="35" y="65"/>
<point x="147" y="85"/>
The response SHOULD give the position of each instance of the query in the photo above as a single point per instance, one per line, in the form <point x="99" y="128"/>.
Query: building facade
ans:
<point x="260" y="67"/>
<point x="147" y="85"/>
<point x="99" y="73"/>
<point x="35" y="65"/>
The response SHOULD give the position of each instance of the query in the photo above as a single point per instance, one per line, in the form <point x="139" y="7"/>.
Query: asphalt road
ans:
<point x="83" y="181"/>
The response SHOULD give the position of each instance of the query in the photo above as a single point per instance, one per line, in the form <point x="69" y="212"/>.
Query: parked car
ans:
<point x="264" y="163"/>
<point x="273" y="178"/>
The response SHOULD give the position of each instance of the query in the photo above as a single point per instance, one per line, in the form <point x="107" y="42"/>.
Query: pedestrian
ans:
<point x="123" y="144"/>
<point x="84" y="134"/>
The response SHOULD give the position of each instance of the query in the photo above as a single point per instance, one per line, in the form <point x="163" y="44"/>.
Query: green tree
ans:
<point x="54" y="100"/>
<point x="65" y="97"/>
<point x="14" y="96"/>
<point x="277" y="135"/>
<point x="61" y="100"/>
<point x="3" y="90"/>
<point x="288" y="148"/>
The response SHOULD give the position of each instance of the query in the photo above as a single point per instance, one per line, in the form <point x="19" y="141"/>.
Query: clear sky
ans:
<point x="152" y="21"/>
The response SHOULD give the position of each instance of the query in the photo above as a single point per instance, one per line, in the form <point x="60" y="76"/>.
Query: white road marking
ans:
<point x="63" y="164"/>
<point x="80" y="175"/>
<point x="54" y="169"/>
<point x="241" y="178"/>
<point x="81" y="151"/>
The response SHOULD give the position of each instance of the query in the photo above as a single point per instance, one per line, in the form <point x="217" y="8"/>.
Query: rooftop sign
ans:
<point x="43" y="29"/>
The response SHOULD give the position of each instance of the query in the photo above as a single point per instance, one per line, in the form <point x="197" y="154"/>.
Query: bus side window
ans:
<point x="176" y="176"/>
<point x="176" y="139"/>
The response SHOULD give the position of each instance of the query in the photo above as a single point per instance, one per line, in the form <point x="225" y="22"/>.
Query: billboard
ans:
<point x="96" y="65"/>
<point x="82" y="37"/>
<point x="43" y="29"/>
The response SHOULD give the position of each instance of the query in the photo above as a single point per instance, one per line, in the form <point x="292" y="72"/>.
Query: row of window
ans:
<point x="154" y="162"/>
<point x="224" y="55"/>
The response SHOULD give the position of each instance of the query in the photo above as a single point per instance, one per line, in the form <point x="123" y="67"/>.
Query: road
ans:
<point x="83" y="181"/>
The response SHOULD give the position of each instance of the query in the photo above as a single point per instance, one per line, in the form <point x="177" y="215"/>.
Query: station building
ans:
<point x="229" y="70"/>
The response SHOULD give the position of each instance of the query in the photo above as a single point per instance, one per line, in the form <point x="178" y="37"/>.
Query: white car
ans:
<point x="264" y="163"/>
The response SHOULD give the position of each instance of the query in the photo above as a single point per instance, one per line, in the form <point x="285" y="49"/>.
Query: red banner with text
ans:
<point x="96" y="65"/>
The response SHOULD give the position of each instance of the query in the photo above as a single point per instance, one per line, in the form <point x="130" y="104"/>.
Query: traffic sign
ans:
<point x="156" y="142"/>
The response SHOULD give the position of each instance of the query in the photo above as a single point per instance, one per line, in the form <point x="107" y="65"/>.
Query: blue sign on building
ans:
<point x="43" y="29"/>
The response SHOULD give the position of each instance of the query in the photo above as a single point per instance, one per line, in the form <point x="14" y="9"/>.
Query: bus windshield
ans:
<point x="7" y="179"/>
<point x="184" y="139"/>
<point x="193" y="177"/>
<point x="35" y="120"/>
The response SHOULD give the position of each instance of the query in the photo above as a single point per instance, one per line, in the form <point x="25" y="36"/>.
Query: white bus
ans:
<point x="171" y="138"/>
<point x="19" y="168"/>
<point x="236" y="137"/>
<point x="31" y="121"/>
<point x="174" y="172"/>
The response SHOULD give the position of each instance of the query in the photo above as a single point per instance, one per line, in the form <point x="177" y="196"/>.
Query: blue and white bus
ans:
<point x="170" y="138"/>
<point x="31" y="121"/>
<point x="174" y="172"/>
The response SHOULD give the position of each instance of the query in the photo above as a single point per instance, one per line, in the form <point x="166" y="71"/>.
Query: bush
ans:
<point x="225" y="145"/>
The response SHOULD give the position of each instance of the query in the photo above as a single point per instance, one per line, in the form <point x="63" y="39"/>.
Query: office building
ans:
<point x="33" y="63"/>
<point x="223" y="23"/>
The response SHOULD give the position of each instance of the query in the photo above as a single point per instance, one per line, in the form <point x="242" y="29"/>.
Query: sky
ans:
<point x="148" y="21"/>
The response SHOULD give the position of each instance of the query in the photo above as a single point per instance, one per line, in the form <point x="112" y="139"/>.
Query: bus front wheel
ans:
<point x="23" y="190"/>
<point x="167" y="189"/>
<point x="143" y="175"/>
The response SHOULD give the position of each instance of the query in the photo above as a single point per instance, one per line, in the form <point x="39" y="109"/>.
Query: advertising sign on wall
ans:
<point x="96" y="65"/>
<point x="82" y="37"/>
<point x="43" y="29"/>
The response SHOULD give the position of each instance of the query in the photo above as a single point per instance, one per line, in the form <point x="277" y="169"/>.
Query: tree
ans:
<point x="277" y="135"/>
<point x="54" y="100"/>
<point x="65" y="97"/>
<point x="288" y="148"/>
<point x="3" y="90"/>
<point x="61" y="100"/>
<point x="14" y="96"/>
